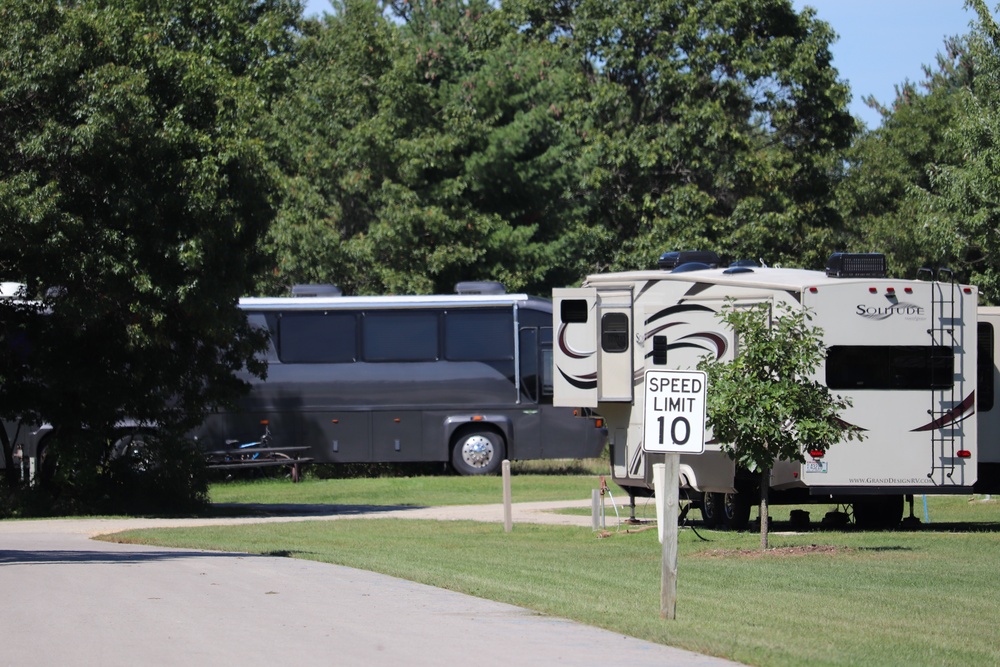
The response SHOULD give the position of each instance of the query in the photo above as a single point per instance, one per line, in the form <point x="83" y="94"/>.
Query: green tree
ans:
<point x="766" y="405"/>
<point x="969" y="187"/>
<point x="711" y="124"/>
<point x="923" y="187"/>
<point x="886" y="195"/>
<point x="134" y="194"/>
<point x="427" y="149"/>
<point x="535" y="141"/>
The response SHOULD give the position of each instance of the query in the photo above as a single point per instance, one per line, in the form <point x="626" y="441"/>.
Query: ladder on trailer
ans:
<point x="944" y="401"/>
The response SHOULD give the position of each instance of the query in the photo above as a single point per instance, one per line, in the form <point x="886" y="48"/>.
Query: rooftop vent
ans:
<point x="671" y="260"/>
<point x="856" y="265"/>
<point x="316" y="290"/>
<point x="480" y="287"/>
<point x="691" y="266"/>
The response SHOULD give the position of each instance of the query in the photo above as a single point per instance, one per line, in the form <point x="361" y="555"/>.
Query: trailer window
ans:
<point x="479" y="335"/>
<point x="890" y="367"/>
<point x="572" y="311"/>
<point x="984" y="368"/>
<point x="400" y="336"/>
<point x="317" y="337"/>
<point x="614" y="332"/>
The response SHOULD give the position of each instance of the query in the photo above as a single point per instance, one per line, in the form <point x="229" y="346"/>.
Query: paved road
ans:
<point x="70" y="600"/>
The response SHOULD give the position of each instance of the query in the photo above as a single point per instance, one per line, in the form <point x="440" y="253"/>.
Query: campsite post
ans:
<point x="673" y="423"/>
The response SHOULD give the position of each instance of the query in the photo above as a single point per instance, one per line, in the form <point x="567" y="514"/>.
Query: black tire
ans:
<point x="477" y="453"/>
<point x="736" y="510"/>
<point x="878" y="513"/>
<point x="712" y="508"/>
<point x="133" y="451"/>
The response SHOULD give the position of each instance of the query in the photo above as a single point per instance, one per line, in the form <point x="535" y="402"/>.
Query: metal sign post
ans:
<point x="673" y="424"/>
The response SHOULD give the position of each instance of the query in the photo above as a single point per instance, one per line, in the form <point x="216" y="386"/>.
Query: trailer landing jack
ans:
<point x="911" y="521"/>
<point x="631" y="511"/>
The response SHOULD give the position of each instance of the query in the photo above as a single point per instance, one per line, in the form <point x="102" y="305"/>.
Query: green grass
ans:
<point x="411" y="491"/>
<point x="925" y="597"/>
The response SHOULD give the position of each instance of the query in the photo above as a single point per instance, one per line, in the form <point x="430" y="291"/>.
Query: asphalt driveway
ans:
<point x="71" y="600"/>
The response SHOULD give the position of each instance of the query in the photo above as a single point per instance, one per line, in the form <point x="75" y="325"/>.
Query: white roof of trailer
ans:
<point x="763" y="277"/>
<point x="410" y="301"/>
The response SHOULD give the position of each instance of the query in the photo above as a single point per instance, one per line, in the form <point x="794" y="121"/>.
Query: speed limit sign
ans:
<point x="674" y="412"/>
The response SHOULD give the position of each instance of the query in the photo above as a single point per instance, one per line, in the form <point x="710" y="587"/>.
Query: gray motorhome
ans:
<point x="463" y="378"/>
<point x="904" y="351"/>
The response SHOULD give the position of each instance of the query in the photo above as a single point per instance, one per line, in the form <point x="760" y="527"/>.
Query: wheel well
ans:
<point x="476" y="427"/>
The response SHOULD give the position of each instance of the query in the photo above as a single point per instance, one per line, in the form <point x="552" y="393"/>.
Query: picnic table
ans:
<point x="246" y="458"/>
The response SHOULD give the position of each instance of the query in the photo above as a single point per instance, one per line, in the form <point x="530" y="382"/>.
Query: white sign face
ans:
<point x="673" y="420"/>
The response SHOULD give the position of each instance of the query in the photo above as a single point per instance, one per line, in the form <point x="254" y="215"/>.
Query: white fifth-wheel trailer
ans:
<point x="903" y="351"/>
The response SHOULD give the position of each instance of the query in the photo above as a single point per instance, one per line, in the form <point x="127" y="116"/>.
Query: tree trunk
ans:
<point x="765" y="487"/>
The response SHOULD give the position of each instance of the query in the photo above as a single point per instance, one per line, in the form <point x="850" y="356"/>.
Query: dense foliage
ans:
<point x="428" y="150"/>
<point x="922" y="187"/>
<point x="711" y="125"/>
<point x="134" y="194"/>
<point x="533" y="142"/>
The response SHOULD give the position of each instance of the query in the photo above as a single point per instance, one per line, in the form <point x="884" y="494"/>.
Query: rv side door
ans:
<point x="575" y="322"/>
<point x="614" y="348"/>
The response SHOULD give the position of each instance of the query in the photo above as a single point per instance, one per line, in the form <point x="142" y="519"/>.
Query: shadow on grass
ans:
<point x="922" y="527"/>
<point x="968" y="527"/>
<point x="261" y="510"/>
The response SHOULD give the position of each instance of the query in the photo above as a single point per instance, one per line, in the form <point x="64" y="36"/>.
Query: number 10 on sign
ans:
<point x="674" y="412"/>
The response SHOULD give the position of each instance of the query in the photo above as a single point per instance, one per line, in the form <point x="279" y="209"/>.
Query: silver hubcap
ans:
<point x="477" y="451"/>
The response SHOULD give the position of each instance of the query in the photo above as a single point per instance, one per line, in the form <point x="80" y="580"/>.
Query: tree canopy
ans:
<point x="922" y="187"/>
<point x="533" y="142"/>
<point x="135" y="190"/>
<point x="712" y="125"/>
<point x="426" y="152"/>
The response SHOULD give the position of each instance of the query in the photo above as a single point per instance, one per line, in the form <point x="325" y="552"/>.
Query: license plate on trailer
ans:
<point x="816" y="466"/>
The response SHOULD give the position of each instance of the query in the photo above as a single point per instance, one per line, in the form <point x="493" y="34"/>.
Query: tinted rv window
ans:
<point x="479" y="335"/>
<point x="890" y="367"/>
<point x="261" y="322"/>
<point x="573" y="310"/>
<point x="317" y="337"/>
<point x="547" y="371"/>
<point x="547" y="362"/>
<point x="984" y="368"/>
<point x="400" y="336"/>
<point x="614" y="332"/>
